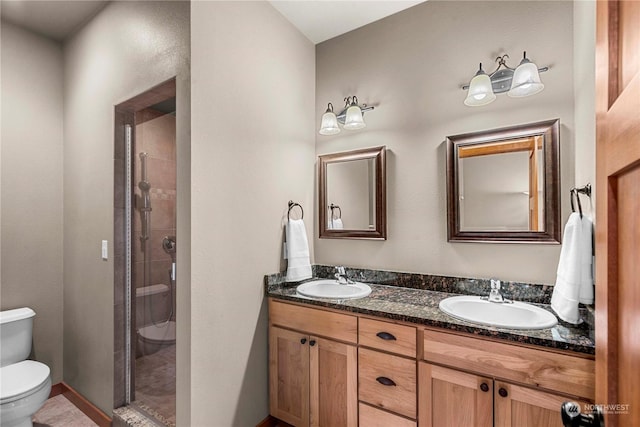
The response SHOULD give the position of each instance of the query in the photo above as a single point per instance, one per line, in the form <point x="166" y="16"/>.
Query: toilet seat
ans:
<point x="22" y="379"/>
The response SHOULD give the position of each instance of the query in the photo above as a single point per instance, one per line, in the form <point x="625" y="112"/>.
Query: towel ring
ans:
<point x="291" y="206"/>
<point x="576" y="192"/>
<point x="333" y="207"/>
<point x="573" y="209"/>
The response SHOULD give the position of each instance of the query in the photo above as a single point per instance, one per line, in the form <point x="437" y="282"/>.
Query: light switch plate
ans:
<point x="105" y="249"/>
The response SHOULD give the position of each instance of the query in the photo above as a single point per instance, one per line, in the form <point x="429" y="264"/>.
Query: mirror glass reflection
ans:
<point x="501" y="186"/>
<point x="351" y="193"/>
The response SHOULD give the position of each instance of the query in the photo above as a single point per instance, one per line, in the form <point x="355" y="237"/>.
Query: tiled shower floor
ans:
<point x="155" y="384"/>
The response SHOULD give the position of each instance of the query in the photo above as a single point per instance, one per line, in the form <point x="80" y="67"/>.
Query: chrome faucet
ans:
<point x="495" y="295"/>
<point x="341" y="275"/>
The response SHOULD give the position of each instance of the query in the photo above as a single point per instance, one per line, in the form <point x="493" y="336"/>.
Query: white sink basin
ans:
<point x="516" y="315"/>
<point x="330" y="288"/>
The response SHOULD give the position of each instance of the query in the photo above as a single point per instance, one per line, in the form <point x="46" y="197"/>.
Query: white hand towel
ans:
<point x="586" y="262"/>
<point x="574" y="281"/>
<point x="336" y="224"/>
<point x="299" y="266"/>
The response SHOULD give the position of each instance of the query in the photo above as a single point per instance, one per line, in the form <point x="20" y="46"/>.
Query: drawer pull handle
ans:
<point x="312" y="343"/>
<point x="503" y="392"/>
<point x="303" y="340"/>
<point x="385" y="381"/>
<point x="484" y="387"/>
<point x="386" y="336"/>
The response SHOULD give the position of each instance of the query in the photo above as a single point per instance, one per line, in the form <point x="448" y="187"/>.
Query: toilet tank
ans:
<point x="15" y="335"/>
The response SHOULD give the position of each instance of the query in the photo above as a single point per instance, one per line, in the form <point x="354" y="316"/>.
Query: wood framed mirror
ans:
<point x="352" y="193"/>
<point x="503" y="185"/>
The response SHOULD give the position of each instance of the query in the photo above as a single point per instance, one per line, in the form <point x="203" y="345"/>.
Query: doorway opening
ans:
<point x="145" y="279"/>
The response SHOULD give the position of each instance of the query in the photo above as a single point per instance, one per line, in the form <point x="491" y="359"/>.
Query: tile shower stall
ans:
<point x="145" y="258"/>
<point x="153" y="260"/>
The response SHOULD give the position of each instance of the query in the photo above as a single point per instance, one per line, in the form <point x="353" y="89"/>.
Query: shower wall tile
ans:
<point x="157" y="235"/>
<point x="146" y="115"/>
<point x="119" y="324"/>
<point x="119" y="271"/>
<point x="159" y="273"/>
<point x="119" y="391"/>
<point x="119" y="183"/>
<point x="164" y="214"/>
<point x="161" y="173"/>
<point x="119" y="232"/>
<point x="157" y="137"/>
<point x="155" y="243"/>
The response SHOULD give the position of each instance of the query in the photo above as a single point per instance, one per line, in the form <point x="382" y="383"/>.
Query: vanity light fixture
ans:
<point x="524" y="80"/>
<point x="350" y="117"/>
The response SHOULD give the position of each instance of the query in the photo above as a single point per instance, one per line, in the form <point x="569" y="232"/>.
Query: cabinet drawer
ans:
<point x="341" y="327"/>
<point x="387" y="336"/>
<point x="372" y="417"/>
<point x="550" y="370"/>
<point x="387" y="381"/>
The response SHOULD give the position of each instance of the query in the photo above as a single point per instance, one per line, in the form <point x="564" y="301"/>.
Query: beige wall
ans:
<point x="125" y="50"/>
<point x="584" y="40"/>
<point x="252" y="151"/>
<point x="31" y="186"/>
<point x="411" y="66"/>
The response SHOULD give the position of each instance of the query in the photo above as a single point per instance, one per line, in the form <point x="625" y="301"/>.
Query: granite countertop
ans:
<point x="420" y="306"/>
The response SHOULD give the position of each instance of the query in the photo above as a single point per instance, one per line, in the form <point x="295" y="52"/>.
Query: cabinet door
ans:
<point x="333" y="383"/>
<point x="289" y="376"/>
<point x="517" y="406"/>
<point x="454" y="399"/>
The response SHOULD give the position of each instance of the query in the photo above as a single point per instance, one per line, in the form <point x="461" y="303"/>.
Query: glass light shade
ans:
<point x="480" y="91"/>
<point x="354" y="118"/>
<point x="329" y="125"/>
<point x="526" y="80"/>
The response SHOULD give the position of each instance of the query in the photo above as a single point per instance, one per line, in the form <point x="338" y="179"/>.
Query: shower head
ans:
<point x="143" y="185"/>
<point x="169" y="246"/>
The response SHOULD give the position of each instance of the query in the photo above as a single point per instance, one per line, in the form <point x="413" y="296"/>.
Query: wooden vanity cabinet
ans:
<point x="329" y="369"/>
<point x="503" y="388"/>
<point x="453" y="398"/>
<point x="313" y="379"/>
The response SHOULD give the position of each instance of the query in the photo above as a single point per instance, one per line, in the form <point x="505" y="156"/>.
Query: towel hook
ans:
<point x="291" y="206"/>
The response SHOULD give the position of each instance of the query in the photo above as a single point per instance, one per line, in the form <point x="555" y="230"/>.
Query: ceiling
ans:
<point x="318" y="20"/>
<point x="322" y="20"/>
<point x="56" y="19"/>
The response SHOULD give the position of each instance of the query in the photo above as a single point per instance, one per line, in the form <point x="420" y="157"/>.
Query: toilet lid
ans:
<point x="22" y="377"/>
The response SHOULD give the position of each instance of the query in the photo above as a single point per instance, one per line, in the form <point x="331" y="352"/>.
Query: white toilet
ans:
<point x="24" y="384"/>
